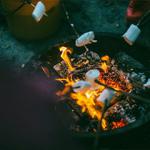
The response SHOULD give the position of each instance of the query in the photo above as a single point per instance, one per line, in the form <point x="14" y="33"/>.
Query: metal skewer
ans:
<point x="72" y="25"/>
<point x="144" y="19"/>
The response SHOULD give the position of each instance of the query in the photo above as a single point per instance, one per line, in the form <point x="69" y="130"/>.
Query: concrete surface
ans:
<point x="96" y="15"/>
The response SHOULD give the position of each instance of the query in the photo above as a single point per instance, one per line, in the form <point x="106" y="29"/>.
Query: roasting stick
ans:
<point x="72" y="25"/>
<point x="139" y="98"/>
<point x="23" y="4"/>
<point x="144" y="19"/>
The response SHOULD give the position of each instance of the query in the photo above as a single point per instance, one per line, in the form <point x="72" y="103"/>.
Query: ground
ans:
<point x="95" y="15"/>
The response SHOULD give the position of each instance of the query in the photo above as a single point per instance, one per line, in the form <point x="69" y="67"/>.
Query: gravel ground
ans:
<point x="96" y="15"/>
<point x="83" y="16"/>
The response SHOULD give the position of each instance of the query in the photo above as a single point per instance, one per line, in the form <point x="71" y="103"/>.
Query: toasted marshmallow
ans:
<point x="85" y="39"/>
<point x="81" y="86"/>
<point x="92" y="75"/>
<point x="107" y="94"/>
<point x="39" y="11"/>
<point x="132" y="34"/>
<point x="147" y="84"/>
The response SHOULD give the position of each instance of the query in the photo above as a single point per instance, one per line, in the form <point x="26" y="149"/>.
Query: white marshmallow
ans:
<point x="86" y="38"/>
<point x="92" y="75"/>
<point x="107" y="94"/>
<point x="81" y="86"/>
<point x="39" y="11"/>
<point x="132" y="34"/>
<point x="147" y="84"/>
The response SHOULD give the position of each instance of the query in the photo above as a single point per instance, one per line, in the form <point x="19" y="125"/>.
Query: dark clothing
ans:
<point x="26" y="119"/>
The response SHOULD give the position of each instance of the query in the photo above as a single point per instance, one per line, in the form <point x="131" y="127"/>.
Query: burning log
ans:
<point x="120" y="114"/>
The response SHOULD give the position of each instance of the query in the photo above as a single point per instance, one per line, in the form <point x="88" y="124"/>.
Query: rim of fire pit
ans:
<point x="100" y="36"/>
<point x="114" y="36"/>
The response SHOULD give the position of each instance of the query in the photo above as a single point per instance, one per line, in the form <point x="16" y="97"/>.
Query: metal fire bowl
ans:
<point x="109" y="44"/>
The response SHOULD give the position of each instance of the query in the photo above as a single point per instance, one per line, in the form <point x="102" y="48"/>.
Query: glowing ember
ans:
<point x="109" y="75"/>
<point x="118" y="124"/>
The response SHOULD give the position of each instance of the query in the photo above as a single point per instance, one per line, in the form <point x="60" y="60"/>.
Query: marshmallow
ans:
<point x="107" y="94"/>
<point x="147" y="84"/>
<point x="81" y="86"/>
<point x="92" y="75"/>
<point x="86" y="38"/>
<point x="132" y="34"/>
<point x="39" y="11"/>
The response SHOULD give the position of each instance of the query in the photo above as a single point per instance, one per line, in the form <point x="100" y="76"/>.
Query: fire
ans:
<point x="104" y="67"/>
<point x="105" y="58"/>
<point x="88" y="100"/>
<point x="64" y="55"/>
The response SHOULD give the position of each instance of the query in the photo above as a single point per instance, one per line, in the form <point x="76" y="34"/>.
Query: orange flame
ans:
<point x="88" y="100"/>
<point x="104" y="66"/>
<point x="65" y="57"/>
<point x="105" y="58"/>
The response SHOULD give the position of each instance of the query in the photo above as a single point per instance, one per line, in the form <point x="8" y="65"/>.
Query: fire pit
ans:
<point x="104" y="89"/>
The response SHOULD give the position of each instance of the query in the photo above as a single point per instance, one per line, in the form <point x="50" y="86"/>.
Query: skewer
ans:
<point x="72" y="25"/>
<point x="144" y="19"/>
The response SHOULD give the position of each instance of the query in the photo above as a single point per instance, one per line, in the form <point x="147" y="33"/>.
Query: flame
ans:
<point x="104" y="67"/>
<point x="87" y="100"/>
<point x="104" y="64"/>
<point x="68" y="81"/>
<point x="65" y="57"/>
<point x="105" y="58"/>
